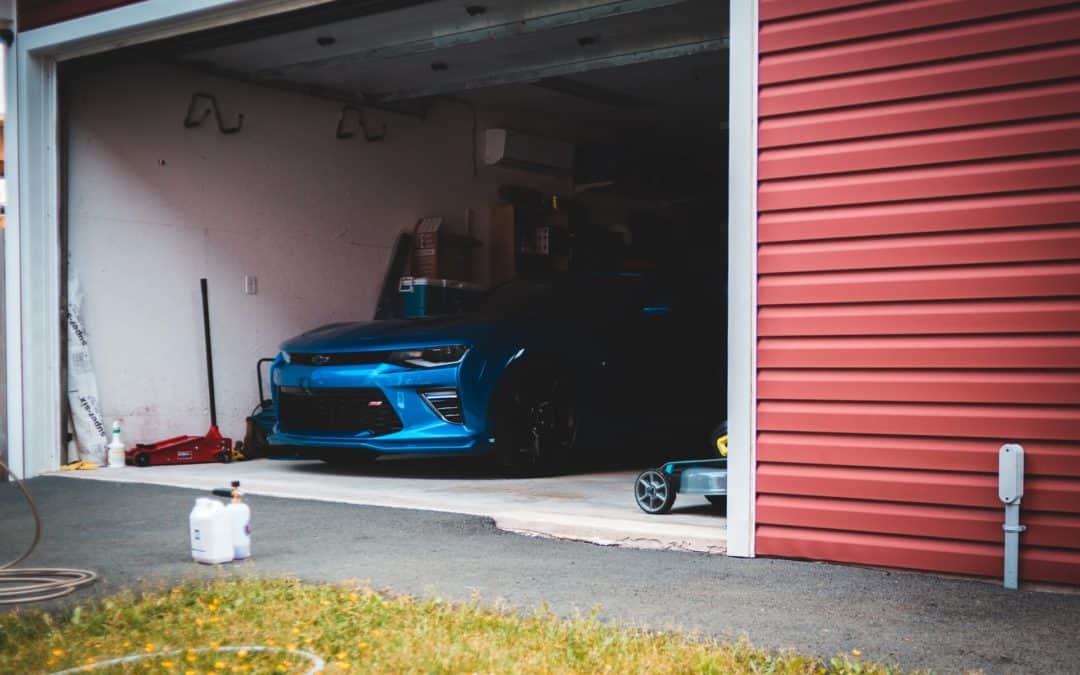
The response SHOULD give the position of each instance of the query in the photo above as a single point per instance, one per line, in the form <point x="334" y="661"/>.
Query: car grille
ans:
<point x="336" y="411"/>
<point x="446" y="403"/>
<point x="339" y="359"/>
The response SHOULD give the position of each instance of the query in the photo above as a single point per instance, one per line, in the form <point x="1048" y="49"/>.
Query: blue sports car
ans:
<point x="526" y="378"/>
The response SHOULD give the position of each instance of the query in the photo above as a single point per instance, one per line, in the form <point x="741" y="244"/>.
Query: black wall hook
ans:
<point x="191" y="121"/>
<point x="362" y="125"/>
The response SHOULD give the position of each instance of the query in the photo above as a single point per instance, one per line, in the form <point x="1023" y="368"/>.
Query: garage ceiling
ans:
<point x="621" y="59"/>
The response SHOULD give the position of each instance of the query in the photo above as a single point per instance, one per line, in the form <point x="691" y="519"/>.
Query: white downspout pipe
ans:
<point x="1011" y="491"/>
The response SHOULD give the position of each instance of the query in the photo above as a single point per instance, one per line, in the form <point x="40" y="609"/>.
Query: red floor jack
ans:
<point x="213" y="447"/>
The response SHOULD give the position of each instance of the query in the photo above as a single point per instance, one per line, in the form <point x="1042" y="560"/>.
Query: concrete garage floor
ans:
<point x="136" y="535"/>
<point x="596" y="507"/>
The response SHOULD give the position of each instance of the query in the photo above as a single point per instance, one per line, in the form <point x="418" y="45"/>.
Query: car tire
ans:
<point x="535" y="420"/>
<point x="654" y="492"/>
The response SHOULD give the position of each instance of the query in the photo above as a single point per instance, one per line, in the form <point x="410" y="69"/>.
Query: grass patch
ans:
<point x="355" y="629"/>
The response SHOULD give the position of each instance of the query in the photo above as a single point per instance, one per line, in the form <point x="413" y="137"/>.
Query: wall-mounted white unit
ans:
<point x="515" y="150"/>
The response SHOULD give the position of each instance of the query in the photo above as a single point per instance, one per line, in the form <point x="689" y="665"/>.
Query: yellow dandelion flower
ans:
<point x="191" y="657"/>
<point x="295" y="630"/>
<point x="90" y="659"/>
<point x="363" y="645"/>
<point x="190" y="672"/>
<point x="219" y="665"/>
<point x="308" y="640"/>
<point x="198" y="622"/>
<point x="58" y="652"/>
<point x="354" y="597"/>
<point x="242" y="653"/>
<point x="282" y="668"/>
<point x="343" y="665"/>
<point x="149" y="647"/>
<point x="291" y="647"/>
<point x="127" y="643"/>
<point x="340" y="656"/>
<point x="167" y="664"/>
<point x="856" y="652"/>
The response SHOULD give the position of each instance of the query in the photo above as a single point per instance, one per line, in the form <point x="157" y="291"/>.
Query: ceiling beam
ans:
<point x="539" y="73"/>
<point x="589" y="12"/>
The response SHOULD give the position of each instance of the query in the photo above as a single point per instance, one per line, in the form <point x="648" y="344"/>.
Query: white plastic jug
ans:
<point x="116" y="447"/>
<point x="211" y="539"/>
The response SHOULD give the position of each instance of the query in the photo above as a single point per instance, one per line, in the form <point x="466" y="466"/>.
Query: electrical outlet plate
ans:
<point x="251" y="284"/>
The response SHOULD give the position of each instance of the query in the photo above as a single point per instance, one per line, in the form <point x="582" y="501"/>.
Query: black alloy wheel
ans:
<point x="536" y="421"/>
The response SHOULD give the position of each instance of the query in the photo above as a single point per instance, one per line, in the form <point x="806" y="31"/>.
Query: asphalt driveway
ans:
<point x="136" y="534"/>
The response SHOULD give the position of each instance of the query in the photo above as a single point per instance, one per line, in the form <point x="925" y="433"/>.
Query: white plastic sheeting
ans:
<point x="91" y="435"/>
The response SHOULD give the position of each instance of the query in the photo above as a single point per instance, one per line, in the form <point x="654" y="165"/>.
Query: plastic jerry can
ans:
<point x="211" y="540"/>
<point x="239" y="515"/>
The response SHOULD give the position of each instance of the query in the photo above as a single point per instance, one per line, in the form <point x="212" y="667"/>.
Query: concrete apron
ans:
<point x="595" y="507"/>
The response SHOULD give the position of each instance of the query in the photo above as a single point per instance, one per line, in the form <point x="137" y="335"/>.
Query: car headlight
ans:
<point x="429" y="357"/>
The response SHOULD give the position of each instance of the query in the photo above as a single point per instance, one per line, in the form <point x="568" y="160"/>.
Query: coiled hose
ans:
<point x="36" y="584"/>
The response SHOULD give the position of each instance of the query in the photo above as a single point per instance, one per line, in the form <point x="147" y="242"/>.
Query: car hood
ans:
<point x="392" y="334"/>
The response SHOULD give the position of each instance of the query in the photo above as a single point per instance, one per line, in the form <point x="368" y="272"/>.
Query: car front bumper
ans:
<point x="422" y="428"/>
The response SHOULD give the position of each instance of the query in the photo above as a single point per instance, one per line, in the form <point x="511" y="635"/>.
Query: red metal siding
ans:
<point x="919" y="288"/>
<point x="37" y="13"/>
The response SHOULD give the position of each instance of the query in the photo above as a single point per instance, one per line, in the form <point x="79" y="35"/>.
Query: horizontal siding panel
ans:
<point x="923" y="250"/>
<point x="1054" y="566"/>
<point x="936" y="555"/>
<point x="1036" y="564"/>
<point x="1051" y="388"/>
<point x="913" y="487"/>
<point x="921" y="183"/>
<point x="922" y="149"/>
<point x="936" y="45"/>
<point x="884" y="19"/>
<point x="915" y="520"/>
<point x="943" y="215"/>
<point x="920" y="520"/>
<point x="922" y="318"/>
<point x="1029" y="280"/>
<point x="1041" y="64"/>
<point x="943" y="112"/>
<point x="1061" y="459"/>
<point x="781" y="9"/>
<point x="999" y="422"/>
<point x="949" y="352"/>
<point x="987" y="352"/>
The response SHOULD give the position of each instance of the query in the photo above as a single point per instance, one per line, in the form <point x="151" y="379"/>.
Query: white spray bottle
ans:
<point x="238" y="515"/>
<point x="116" y="447"/>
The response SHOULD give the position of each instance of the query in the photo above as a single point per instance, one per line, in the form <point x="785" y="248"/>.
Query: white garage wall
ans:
<point x="153" y="207"/>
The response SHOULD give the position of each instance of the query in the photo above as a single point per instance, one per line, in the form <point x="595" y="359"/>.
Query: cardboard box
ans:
<point x="439" y="254"/>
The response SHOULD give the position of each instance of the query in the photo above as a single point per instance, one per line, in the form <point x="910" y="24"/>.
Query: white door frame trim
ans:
<point x="32" y="254"/>
<point x="742" y="277"/>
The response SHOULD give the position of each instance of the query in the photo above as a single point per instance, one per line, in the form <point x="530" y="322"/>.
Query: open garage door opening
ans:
<point x="481" y="232"/>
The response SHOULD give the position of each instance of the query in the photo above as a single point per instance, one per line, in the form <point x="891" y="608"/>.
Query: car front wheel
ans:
<point x="535" y="420"/>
